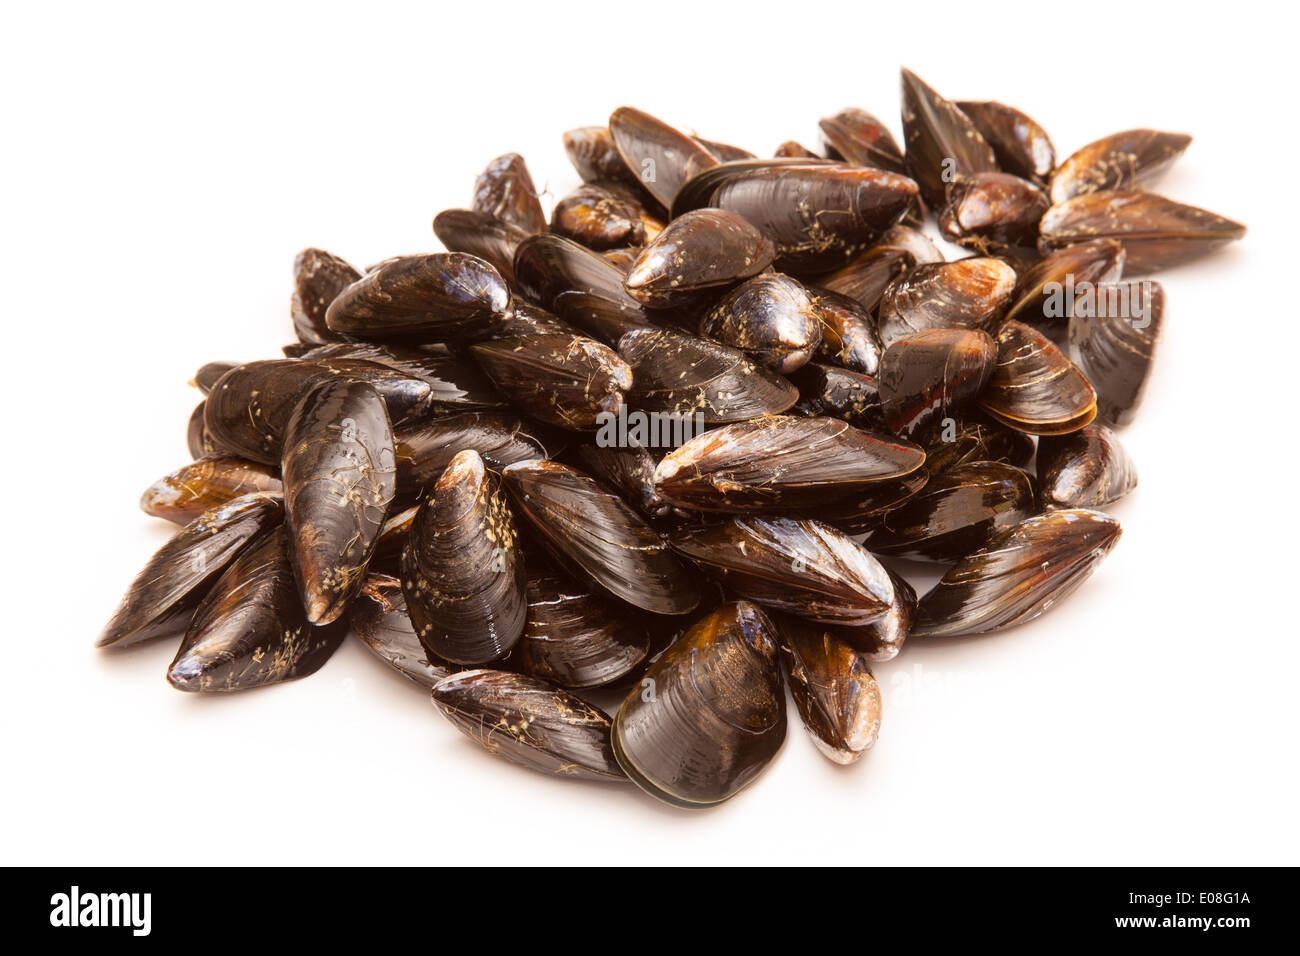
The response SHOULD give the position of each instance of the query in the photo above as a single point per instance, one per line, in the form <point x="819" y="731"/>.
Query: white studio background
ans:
<point x="161" y="166"/>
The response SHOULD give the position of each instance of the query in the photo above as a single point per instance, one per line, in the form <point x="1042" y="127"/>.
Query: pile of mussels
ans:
<point x="634" y="452"/>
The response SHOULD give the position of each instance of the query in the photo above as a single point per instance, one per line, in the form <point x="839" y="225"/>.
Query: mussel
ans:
<point x="1034" y="388"/>
<point x="505" y="191"/>
<point x="928" y="377"/>
<point x="318" y="278"/>
<point x="529" y="722"/>
<point x="501" y="438"/>
<point x="1021" y="146"/>
<point x="1045" y="293"/>
<point x="772" y="318"/>
<point x="942" y="143"/>
<point x="968" y="294"/>
<point x="829" y="391"/>
<point x="1085" y="469"/>
<point x="848" y="333"/>
<point x="994" y="212"/>
<point x="699" y="251"/>
<point x="462" y="574"/>
<point x="192" y="489"/>
<point x="379" y="618"/>
<point x="493" y="240"/>
<point x="603" y="216"/>
<point x="661" y="157"/>
<point x="709" y="715"/>
<point x="1113" y="345"/>
<point x="858" y="137"/>
<point x="1119" y="161"/>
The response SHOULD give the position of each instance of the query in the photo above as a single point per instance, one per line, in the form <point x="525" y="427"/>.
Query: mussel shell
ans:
<point x="628" y="470"/>
<point x="501" y="438"/>
<point x="601" y="216"/>
<point x="564" y="380"/>
<point x="942" y="143"/>
<point x="192" y="489"/>
<point x="1034" y="388"/>
<point x="597" y="537"/>
<point x="462" y="573"/>
<point x="529" y="722"/>
<point x="863" y="512"/>
<point x="444" y="296"/>
<point x="1021" y="146"/>
<point x="779" y="462"/>
<point x="251" y="630"/>
<point x="849" y="336"/>
<point x="993" y="212"/>
<point x="859" y="138"/>
<point x="826" y="390"/>
<point x="493" y="240"/>
<point x="723" y="152"/>
<point x="318" y="278"/>
<point x="163" y="595"/>
<point x="576" y="637"/>
<point x="379" y="618"/>
<point x="919" y="247"/>
<point x="1119" y="161"/>
<point x="592" y="151"/>
<point x="209" y="373"/>
<point x="454" y="383"/>
<point x="833" y="689"/>
<point x="958" y="511"/>
<point x="339" y="473"/>
<point x="661" y="157"/>
<point x="1018" y="575"/>
<point x="1156" y="232"/>
<point x="683" y="375"/>
<point x="973" y="440"/>
<point x="1086" y="469"/>
<point x="967" y="294"/>
<point x="710" y="714"/>
<point x="792" y="150"/>
<point x="803" y="567"/>
<point x="1042" y="291"/>
<point x="1115" y="350"/>
<point x="771" y="317"/>
<point x="883" y="638"/>
<point x="505" y="191"/>
<point x="528" y="320"/>
<point x="817" y="214"/>
<point x="700" y="250"/>
<point x="930" y="376"/>
<point x="578" y="285"/>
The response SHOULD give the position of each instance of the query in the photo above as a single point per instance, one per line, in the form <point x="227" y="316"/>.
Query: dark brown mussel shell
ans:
<point x="1045" y="292"/>
<point x="505" y="191"/>
<point x="564" y="380"/>
<point x="710" y="714"/>
<point x="700" y="250"/>
<point x="723" y="152"/>
<point x="444" y="382"/>
<point x="380" y="620"/>
<point x="248" y="408"/>
<point x="958" y="511"/>
<point x="833" y="392"/>
<point x="579" y="286"/>
<point x="318" y="278"/>
<point x="857" y="137"/>
<point x="862" y="513"/>
<point x="462" y="573"/>
<point x="251" y="629"/>
<point x="529" y="722"/>
<point x="683" y="375"/>
<point x="661" y="157"/>
<point x="1034" y="388"/>
<point x="1119" y="161"/>
<point x="883" y="638"/>
<point x="1114" y="345"/>
<point x="848" y="331"/>
<point x="339" y="475"/>
<point x="593" y="154"/>
<point x="209" y="373"/>
<point x="930" y="376"/>
<point x="942" y="142"/>
<point x="772" y="318"/>
<point x="804" y="567"/>
<point x="792" y="150"/>
<point x="196" y="434"/>
<point x="817" y="214"/>
<point x="623" y="258"/>
<point x="1018" y="575"/>
<point x="189" y="491"/>
<point x="630" y="470"/>
<point x="392" y="540"/>
<point x="493" y="240"/>
<point x="833" y="688"/>
<point x="965" y="294"/>
<point x="443" y="296"/>
<point x="163" y="595"/>
<point x="865" y="278"/>
<point x="501" y="438"/>
<point x="1021" y="146"/>
<point x="903" y="238"/>
<point x="528" y="320"/>
<point x="576" y="637"/>
<point x="1156" y="232"/>
<point x="1086" y="469"/>
<point x="602" y="216"/>
<point x="597" y="537"/>
<point x="993" y="212"/>
<point x="779" y="462"/>
<point x="973" y="440"/>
